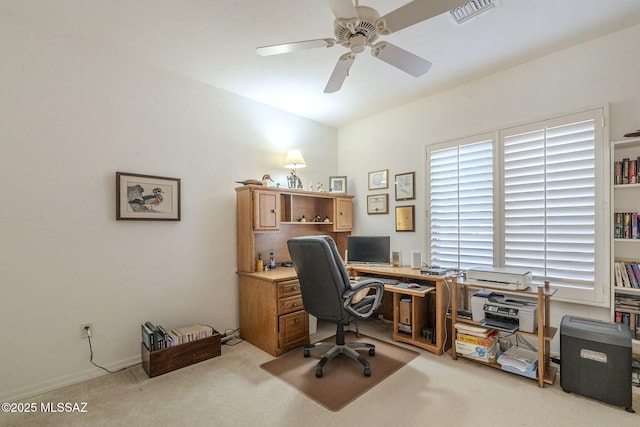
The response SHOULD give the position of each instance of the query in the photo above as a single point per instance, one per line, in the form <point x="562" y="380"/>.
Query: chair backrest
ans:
<point x="322" y="275"/>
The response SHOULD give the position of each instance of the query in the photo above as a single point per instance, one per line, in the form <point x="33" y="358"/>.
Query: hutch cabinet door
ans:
<point x="266" y="210"/>
<point x="342" y="214"/>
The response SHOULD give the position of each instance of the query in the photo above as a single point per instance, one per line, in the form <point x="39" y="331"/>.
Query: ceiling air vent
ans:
<point x="464" y="13"/>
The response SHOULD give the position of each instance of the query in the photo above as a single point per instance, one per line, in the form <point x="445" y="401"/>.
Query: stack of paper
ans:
<point x="520" y="361"/>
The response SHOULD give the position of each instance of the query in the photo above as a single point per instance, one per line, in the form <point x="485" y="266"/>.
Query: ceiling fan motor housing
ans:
<point x="364" y="33"/>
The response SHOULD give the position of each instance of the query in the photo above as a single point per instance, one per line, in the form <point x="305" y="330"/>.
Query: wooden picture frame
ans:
<point x="338" y="184"/>
<point x="405" y="218"/>
<point x="377" y="204"/>
<point x="405" y="184"/>
<point x="147" y="197"/>
<point x="379" y="180"/>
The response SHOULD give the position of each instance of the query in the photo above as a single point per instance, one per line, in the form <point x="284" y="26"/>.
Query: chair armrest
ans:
<point x="354" y="302"/>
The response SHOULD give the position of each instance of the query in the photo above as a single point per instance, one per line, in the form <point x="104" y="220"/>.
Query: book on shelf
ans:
<point x="636" y="271"/>
<point x="147" y="336"/>
<point x="627" y="274"/>
<point x="618" y="274"/>
<point x="626" y="225"/>
<point x="632" y="277"/>
<point x="157" y="337"/>
<point x="617" y="175"/>
<point x="626" y="302"/>
<point x="626" y="171"/>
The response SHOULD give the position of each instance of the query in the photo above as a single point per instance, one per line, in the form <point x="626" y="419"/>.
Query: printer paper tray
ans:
<point x="497" y="324"/>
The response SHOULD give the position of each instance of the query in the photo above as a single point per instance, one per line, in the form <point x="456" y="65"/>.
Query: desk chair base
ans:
<point x="339" y="347"/>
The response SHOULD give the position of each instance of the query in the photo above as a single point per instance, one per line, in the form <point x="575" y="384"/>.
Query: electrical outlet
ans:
<point x="83" y="332"/>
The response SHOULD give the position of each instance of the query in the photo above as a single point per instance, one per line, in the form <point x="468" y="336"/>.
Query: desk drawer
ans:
<point x="293" y="329"/>
<point x="289" y="288"/>
<point x="288" y="305"/>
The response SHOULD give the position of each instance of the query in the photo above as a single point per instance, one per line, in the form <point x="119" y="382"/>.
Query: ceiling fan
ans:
<point x="357" y="27"/>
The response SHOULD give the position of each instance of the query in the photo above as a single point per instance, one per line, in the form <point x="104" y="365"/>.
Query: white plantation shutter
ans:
<point x="545" y="210"/>
<point x="461" y="205"/>
<point x="549" y="202"/>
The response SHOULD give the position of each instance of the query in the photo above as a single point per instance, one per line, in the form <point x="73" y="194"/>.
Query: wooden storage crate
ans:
<point x="169" y="359"/>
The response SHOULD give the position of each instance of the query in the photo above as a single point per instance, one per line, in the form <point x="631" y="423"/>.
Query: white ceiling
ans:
<point x="214" y="41"/>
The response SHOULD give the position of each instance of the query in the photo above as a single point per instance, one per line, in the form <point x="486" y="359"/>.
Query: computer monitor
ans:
<point x="368" y="249"/>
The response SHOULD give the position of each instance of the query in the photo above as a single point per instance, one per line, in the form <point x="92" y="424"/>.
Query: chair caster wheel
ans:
<point x="372" y="352"/>
<point x="318" y="372"/>
<point x="367" y="372"/>
<point x="306" y="353"/>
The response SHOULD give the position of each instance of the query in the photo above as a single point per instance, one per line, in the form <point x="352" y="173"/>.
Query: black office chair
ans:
<point x="328" y="294"/>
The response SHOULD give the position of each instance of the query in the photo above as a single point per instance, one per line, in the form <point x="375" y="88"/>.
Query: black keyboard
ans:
<point x="382" y="279"/>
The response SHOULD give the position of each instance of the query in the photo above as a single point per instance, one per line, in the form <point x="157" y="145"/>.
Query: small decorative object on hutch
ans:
<point x="147" y="197"/>
<point x="338" y="184"/>
<point x="294" y="161"/>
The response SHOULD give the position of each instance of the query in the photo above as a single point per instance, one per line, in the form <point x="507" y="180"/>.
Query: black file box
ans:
<point x="595" y="359"/>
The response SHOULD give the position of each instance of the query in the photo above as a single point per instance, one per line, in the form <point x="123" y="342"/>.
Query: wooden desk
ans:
<point x="428" y="307"/>
<point x="271" y="313"/>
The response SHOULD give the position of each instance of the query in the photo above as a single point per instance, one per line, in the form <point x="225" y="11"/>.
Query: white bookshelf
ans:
<point x="624" y="198"/>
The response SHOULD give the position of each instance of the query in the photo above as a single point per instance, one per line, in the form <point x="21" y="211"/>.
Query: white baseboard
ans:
<point x="56" y="383"/>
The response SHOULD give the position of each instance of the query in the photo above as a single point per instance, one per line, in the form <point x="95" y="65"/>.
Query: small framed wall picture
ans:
<point x="147" y="197"/>
<point x="405" y="218"/>
<point x="405" y="186"/>
<point x="379" y="180"/>
<point x="378" y="204"/>
<point x="338" y="184"/>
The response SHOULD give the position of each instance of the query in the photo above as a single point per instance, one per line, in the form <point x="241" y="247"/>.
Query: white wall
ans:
<point x="71" y="115"/>
<point x="602" y="71"/>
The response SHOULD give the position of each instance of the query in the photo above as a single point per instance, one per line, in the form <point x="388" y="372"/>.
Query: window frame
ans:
<point x="598" y="294"/>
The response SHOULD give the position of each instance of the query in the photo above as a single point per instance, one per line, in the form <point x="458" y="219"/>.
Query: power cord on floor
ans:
<point x="102" y="367"/>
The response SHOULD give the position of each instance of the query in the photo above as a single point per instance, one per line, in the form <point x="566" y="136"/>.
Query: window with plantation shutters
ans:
<point x="461" y="205"/>
<point x="544" y="209"/>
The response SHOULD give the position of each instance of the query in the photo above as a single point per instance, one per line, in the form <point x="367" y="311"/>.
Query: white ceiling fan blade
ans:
<point x="277" y="49"/>
<point x="343" y="9"/>
<point x="414" y="12"/>
<point x="340" y="73"/>
<point x="346" y="14"/>
<point x="400" y="58"/>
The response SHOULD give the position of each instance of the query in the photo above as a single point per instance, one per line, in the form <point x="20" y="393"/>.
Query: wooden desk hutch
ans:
<point x="271" y="313"/>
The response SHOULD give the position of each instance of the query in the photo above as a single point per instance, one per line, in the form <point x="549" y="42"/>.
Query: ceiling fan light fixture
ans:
<point x="357" y="43"/>
<point x="471" y="10"/>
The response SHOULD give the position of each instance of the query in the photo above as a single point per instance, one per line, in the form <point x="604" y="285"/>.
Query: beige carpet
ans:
<point x="343" y="380"/>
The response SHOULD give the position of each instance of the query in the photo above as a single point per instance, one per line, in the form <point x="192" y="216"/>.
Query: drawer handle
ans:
<point x="294" y="304"/>
<point x="297" y="320"/>
<point x="273" y="211"/>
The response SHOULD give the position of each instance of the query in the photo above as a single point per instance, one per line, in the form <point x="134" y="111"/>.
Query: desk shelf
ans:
<point x="428" y="306"/>
<point x="544" y="333"/>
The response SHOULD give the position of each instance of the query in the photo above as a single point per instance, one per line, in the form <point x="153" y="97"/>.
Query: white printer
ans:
<point x="496" y="310"/>
<point x="513" y="279"/>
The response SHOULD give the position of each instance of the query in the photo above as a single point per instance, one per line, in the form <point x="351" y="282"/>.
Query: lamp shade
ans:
<point x="294" y="160"/>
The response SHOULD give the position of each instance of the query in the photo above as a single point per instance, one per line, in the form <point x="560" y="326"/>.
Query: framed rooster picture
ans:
<point x="147" y="197"/>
